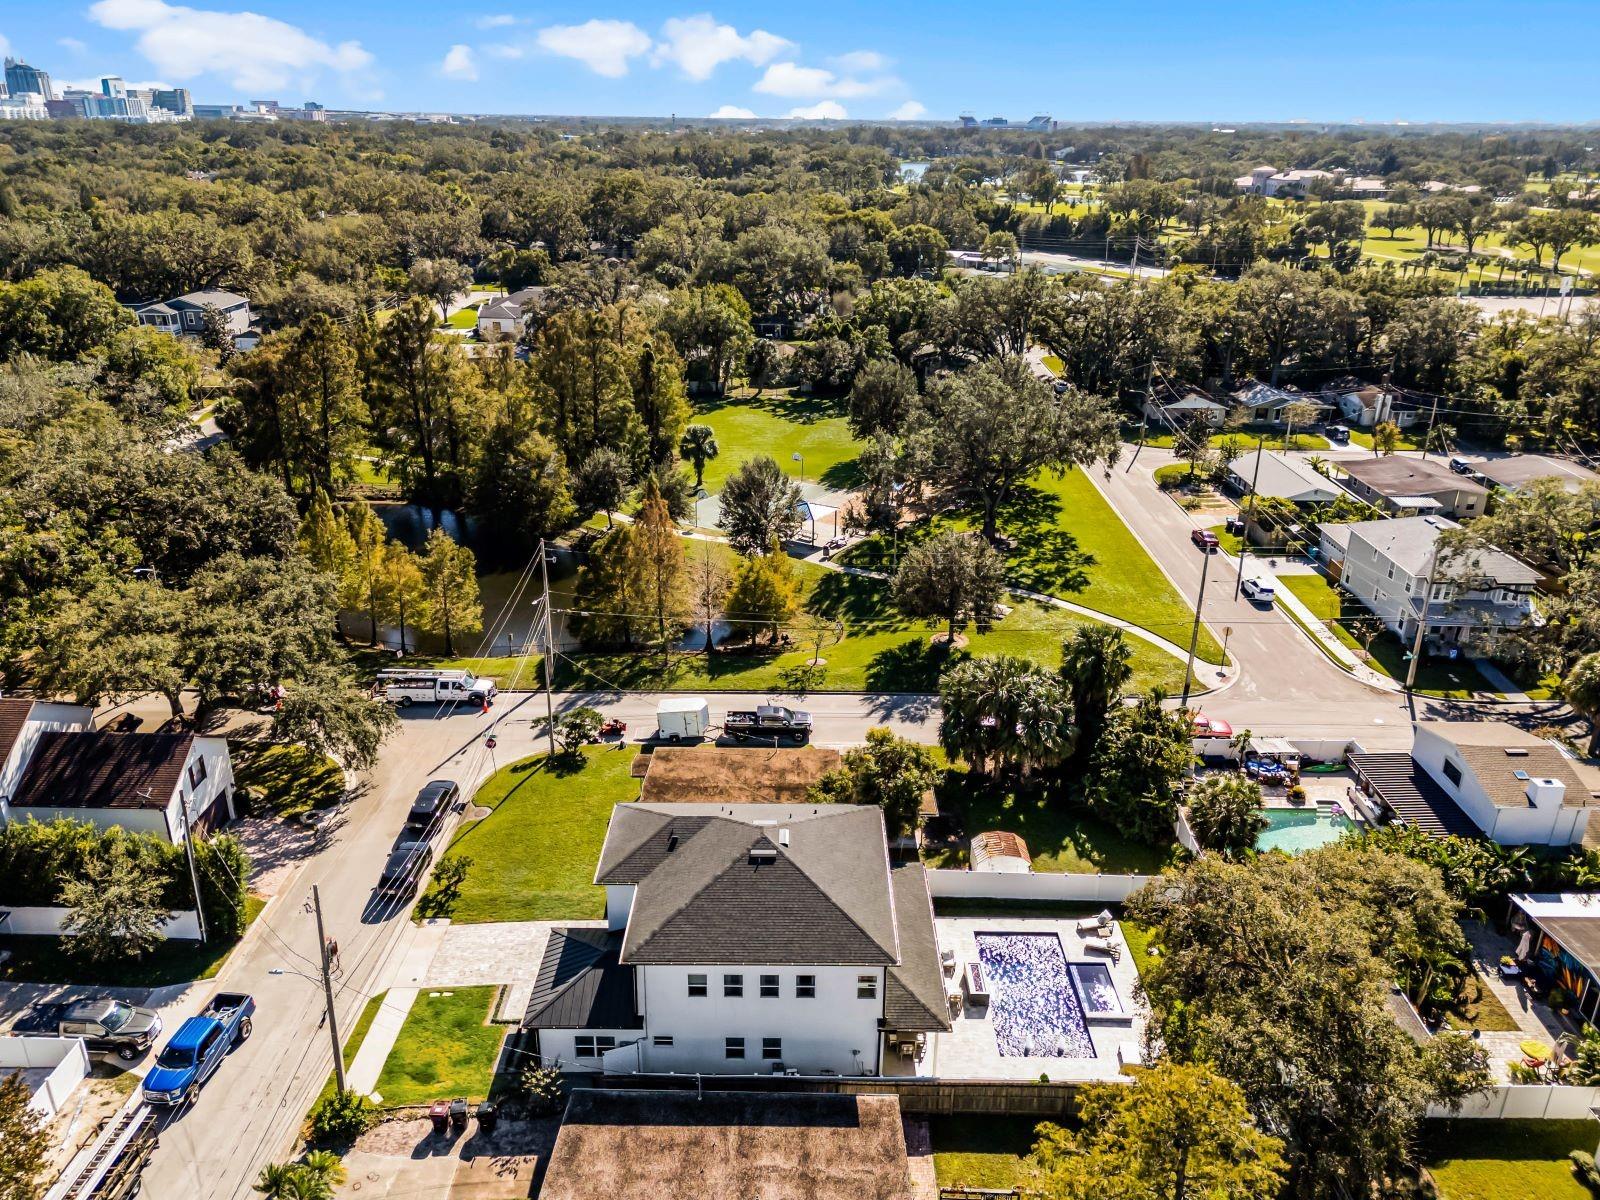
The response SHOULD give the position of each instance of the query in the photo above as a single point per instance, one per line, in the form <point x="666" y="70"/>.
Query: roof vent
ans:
<point x="1516" y="752"/>
<point x="783" y="837"/>
<point x="672" y="842"/>
<point x="763" y="854"/>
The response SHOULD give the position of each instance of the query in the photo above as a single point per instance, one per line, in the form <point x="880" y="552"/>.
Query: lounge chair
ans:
<point x="1098" y="925"/>
<point x="1104" y="946"/>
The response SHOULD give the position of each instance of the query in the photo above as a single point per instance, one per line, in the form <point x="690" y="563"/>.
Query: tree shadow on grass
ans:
<point x="913" y="666"/>
<point x="854" y="599"/>
<point x="842" y="476"/>
<point x="781" y="403"/>
<point x="1042" y="555"/>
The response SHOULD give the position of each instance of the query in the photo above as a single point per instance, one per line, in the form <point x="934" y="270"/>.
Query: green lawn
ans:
<point x="780" y="424"/>
<point x="289" y="779"/>
<point x="464" y="318"/>
<point x="1138" y="938"/>
<point x="533" y="857"/>
<point x="445" y="1049"/>
<point x="981" y="1151"/>
<point x="1436" y="676"/>
<point x="1246" y="438"/>
<point x="1232" y="543"/>
<point x="1362" y="438"/>
<point x="45" y="960"/>
<point x="1506" y="1160"/>
<point x="1059" y="838"/>
<point x="353" y="1038"/>
<point x="370" y="474"/>
<point x="1479" y="1008"/>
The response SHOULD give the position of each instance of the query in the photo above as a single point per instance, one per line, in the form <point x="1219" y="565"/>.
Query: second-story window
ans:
<point x="805" y="987"/>
<point x="769" y="987"/>
<point x="697" y="985"/>
<point x="866" y="987"/>
<point x="733" y="985"/>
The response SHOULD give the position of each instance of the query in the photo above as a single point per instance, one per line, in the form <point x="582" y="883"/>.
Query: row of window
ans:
<point x="770" y="986"/>
<point x="591" y="1046"/>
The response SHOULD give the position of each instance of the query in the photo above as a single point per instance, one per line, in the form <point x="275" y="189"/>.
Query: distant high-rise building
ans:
<point x="174" y="100"/>
<point x="20" y="77"/>
<point x="264" y="106"/>
<point x="112" y="85"/>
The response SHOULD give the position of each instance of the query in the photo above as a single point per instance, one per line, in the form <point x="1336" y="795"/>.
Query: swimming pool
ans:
<point x="1033" y="1003"/>
<point x="1296" y="830"/>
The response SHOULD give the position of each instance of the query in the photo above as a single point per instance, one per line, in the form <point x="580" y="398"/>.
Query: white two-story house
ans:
<point x="22" y="723"/>
<point x="1387" y="565"/>
<point x="1480" y="779"/>
<point x="743" y="939"/>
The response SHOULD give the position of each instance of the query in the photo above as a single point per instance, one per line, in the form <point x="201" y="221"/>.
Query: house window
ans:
<point x="866" y="987"/>
<point x="805" y="987"/>
<point x="661" y="1040"/>
<point x="771" y="1048"/>
<point x="732" y="1047"/>
<point x="733" y="985"/>
<point x="697" y="985"/>
<point x="1452" y="772"/>
<point x="587" y="1046"/>
<point x="197" y="772"/>
<point x="769" y="987"/>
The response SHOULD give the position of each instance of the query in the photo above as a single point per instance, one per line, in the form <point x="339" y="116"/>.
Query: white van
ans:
<point x="406" y="688"/>
<point x="683" y="719"/>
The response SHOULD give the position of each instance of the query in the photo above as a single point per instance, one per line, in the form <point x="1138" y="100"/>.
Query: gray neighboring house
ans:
<point x="1284" y="476"/>
<point x="504" y="316"/>
<point x="1386" y="565"/>
<point x="1515" y="473"/>
<point x="1263" y="404"/>
<point x="187" y="313"/>
<point x="1177" y="412"/>
<point x="1414" y="486"/>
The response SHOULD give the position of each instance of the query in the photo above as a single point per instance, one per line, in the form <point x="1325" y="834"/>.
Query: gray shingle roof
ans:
<point x="1408" y="543"/>
<point x="702" y="896"/>
<point x="1494" y="752"/>
<point x="914" y="998"/>
<point x="210" y="297"/>
<point x="581" y="985"/>
<point x="1393" y="475"/>
<point x="1523" y="469"/>
<point x="1285" y="476"/>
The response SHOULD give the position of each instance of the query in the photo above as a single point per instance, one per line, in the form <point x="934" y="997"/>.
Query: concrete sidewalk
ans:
<point x="1330" y="643"/>
<point x="381" y="1034"/>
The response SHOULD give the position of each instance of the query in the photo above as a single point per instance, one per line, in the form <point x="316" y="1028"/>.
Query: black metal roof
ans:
<point x="1413" y="795"/>
<point x="581" y="985"/>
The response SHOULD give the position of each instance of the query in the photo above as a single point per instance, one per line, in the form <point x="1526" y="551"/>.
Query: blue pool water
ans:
<point x="1033" y="1005"/>
<point x="1295" y="830"/>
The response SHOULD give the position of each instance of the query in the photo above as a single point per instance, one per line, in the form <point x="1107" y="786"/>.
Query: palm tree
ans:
<point x="699" y="446"/>
<point x="1096" y="664"/>
<point x="326" y="1164"/>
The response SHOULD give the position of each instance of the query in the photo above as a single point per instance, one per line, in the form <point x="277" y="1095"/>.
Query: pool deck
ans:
<point x="969" y="1050"/>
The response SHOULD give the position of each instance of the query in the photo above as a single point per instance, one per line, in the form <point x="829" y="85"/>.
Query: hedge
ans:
<point x="37" y="858"/>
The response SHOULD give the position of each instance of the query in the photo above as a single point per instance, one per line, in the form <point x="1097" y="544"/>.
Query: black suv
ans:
<point x="432" y="803"/>
<point x="404" y="868"/>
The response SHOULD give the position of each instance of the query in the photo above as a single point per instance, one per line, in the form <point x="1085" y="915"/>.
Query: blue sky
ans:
<point x="1226" y="61"/>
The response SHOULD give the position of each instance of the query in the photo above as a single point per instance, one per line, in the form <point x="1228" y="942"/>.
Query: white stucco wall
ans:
<point x="557" y="1048"/>
<point x="818" y="1034"/>
<point x="619" y="902"/>
<point x="1547" y="823"/>
<point x="42" y="718"/>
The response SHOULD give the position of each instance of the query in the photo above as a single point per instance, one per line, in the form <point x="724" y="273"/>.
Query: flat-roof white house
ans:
<point x="1480" y="779"/>
<point x="1386" y="565"/>
<point x="187" y="313"/>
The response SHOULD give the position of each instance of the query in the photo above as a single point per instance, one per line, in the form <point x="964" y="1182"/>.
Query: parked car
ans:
<point x="433" y="802"/>
<point x="196" y="1051"/>
<point x="404" y="868"/>
<point x="1460" y="466"/>
<point x="106" y="1026"/>
<point x="1259" y="590"/>
<point x="1205" y="539"/>
<point x="1337" y="433"/>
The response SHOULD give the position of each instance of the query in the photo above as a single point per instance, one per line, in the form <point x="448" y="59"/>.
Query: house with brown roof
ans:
<point x="22" y="723"/>
<point x="1414" y="487"/>
<point x="160" y="783"/>
<point x="1482" y="779"/>
<point x="743" y="939"/>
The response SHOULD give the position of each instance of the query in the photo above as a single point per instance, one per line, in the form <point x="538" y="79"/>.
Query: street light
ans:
<point x="801" y="459"/>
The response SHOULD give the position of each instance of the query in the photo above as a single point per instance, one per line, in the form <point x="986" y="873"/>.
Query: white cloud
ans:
<point x="68" y="43"/>
<point x="698" y="45"/>
<point x="459" y="63"/>
<point x="496" y="21"/>
<point x="909" y="111"/>
<point x="603" y="46"/>
<point x="826" y="110"/>
<point x="255" y="53"/>
<point x="860" y="60"/>
<point x="505" y="51"/>
<point x="732" y="112"/>
<point x="794" y="82"/>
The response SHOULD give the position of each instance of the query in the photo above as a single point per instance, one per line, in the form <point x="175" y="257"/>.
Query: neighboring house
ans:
<point x="1180" y="412"/>
<point x="1558" y="943"/>
<point x="1386" y="565"/>
<point x="1366" y="405"/>
<point x="1517" y="472"/>
<point x="22" y="723"/>
<point x="1411" y="486"/>
<point x="740" y="940"/>
<point x="187" y="313"/>
<point x="1333" y="543"/>
<point x="505" y="316"/>
<point x="1263" y="404"/>
<point x="1480" y="779"/>
<point x="145" y="782"/>
<point x="1284" y="476"/>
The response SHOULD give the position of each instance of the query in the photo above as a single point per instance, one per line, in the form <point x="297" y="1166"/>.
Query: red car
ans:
<point x="1204" y="538"/>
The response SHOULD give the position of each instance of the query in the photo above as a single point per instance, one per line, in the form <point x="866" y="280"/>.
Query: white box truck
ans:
<point x="682" y="719"/>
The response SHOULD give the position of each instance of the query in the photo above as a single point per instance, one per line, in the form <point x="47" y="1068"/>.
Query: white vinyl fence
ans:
<point x="65" y="1059"/>
<point x="1527" y="1101"/>
<point x="47" y="922"/>
<point x="999" y="885"/>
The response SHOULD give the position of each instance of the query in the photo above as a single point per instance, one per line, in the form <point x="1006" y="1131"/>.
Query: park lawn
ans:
<point x="1060" y="838"/>
<point x="1068" y="542"/>
<point x="373" y="475"/>
<point x="445" y="1049"/>
<point x="780" y="424"/>
<point x="1506" y="1160"/>
<point x="981" y="1151"/>
<point x="289" y="779"/>
<point x="1053" y="364"/>
<point x="45" y="960"/>
<point x="464" y="318"/>
<point x="533" y="857"/>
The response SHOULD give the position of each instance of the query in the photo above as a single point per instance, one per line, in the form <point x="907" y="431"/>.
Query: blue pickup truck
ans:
<point x="193" y="1053"/>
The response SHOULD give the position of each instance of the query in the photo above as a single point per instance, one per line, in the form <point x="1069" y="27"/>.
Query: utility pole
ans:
<point x="549" y="647"/>
<point x="1427" y="438"/>
<point x="194" y="875"/>
<point x="1422" y="620"/>
<point x="1194" y="634"/>
<point x="327" y="991"/>
<point x="1244" y="535"/>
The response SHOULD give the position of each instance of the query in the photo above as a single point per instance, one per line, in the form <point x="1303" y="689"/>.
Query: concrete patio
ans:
<point x="1535" y="1019"/>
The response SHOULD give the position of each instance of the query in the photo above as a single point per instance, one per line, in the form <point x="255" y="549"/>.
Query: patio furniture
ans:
<point x="1104" y="946"/>
<point x="975" y="984"/>
<point x="1510" y="971"/>
<point x="947" y="959"/>
<point x="1100" y="924"/>
<point x="1535" y="1053"/>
